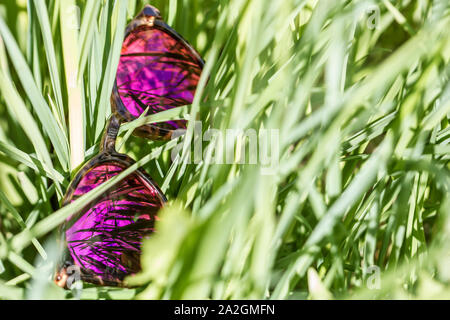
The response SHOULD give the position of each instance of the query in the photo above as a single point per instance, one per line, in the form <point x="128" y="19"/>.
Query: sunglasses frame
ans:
<point x="107" y="155"/>
<point x="151" y="17"/>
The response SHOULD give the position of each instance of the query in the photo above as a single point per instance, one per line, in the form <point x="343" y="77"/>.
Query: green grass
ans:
<point x="362" y="182"/>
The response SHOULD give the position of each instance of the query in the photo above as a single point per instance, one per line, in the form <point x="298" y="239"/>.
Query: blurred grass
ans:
<point x="359" y="92"/>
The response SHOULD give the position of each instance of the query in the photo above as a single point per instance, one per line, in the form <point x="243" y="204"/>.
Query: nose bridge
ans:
<point x="108" y="143"/>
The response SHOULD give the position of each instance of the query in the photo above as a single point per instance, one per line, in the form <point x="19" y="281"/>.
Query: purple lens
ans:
<point x="156" y="70"/>
<point x="104" y="239"/>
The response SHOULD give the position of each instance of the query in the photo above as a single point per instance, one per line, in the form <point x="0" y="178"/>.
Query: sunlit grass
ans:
<point x="358" y="205"/>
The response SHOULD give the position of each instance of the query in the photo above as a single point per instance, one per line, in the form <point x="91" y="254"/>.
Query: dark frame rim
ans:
<point x="103" y="158"/>
<point x="108" y="154"/>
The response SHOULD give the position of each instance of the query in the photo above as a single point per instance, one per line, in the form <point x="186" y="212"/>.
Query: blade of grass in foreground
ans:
<point x="20" y="112"/>
<point x="42" y="13"/>
<point x="30" y="162"/>
<point x="69" y="32"/>
<point x="22" y="224"/>
<point x="118" y="25"/>
<point x="87" y="31"/>
<point x="49" y="123"/>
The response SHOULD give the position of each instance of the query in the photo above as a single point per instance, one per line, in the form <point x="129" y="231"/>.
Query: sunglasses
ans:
<point x="158" y="70"/>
